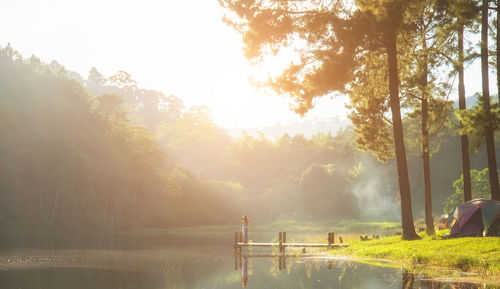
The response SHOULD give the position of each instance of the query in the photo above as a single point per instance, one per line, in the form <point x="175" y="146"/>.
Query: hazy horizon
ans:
<point x="180" y="48"/>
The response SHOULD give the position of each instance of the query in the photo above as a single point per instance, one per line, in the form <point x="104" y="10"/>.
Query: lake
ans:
<point x="194" y="260"/>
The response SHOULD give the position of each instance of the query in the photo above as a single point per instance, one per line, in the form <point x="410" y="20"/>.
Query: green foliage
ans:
<point x="369" y="96"/>
<point x="476" y="120"/>
<point x="75" y="155"/>
<point x="201" y="203"/>
<point x="439" y="118"/>
<point x="480" y="184"/>
<point x="316" y="30"/>
<point x="74" y="162"/>
<point x="420" y="51"/>
<point x="356" y="172"/>
<point x="148" y="107"/>
<point x="107" y="173"/>
<point x="386" y="54"/>
<point x="325" y="192"/>
<point x="195" y="140"/>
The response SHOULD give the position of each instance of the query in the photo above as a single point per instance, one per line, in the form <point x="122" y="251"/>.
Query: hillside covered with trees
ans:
<point x="104" y="155"/>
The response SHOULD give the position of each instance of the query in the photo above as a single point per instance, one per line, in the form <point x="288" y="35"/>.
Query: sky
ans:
<point x="178" y="47"/>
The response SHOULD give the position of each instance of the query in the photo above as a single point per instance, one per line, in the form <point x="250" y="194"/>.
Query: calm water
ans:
<point x="181" y="260"/>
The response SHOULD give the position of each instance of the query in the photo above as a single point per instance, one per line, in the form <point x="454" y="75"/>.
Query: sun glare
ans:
<point x="141" y="149"/>
<point x="177" y="47"/>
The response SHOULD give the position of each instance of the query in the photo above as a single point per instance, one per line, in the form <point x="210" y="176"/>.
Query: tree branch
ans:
<point x="386" y="119"/>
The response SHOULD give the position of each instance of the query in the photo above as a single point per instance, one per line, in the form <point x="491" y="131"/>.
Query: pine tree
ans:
<point x="489" y="129"/>
<point x="336" y="39"/>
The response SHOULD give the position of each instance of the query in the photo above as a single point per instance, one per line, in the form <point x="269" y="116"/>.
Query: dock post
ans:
<point x="235" y="242"/>
<point x="240" y="238"/>
<point x="341" y="241"/>
<point x="280" y="240"/>
<point x="331" y="239"/>
<point x="284" y="241"/>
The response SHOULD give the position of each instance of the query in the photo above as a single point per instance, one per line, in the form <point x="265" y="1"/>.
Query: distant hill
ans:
<point x="306" y="128"/>
<point x="470" y="101"/>
<point x="323" y="125"/>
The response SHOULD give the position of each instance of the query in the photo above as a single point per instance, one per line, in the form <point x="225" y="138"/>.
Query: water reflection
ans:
<point x="338" y="274"/>
<point x="411" y="280"/>
<point x="198" y="262"/>
<point x="241" y="264"/>
<point x="408" y="279"/>
<point x="244" y="272"/>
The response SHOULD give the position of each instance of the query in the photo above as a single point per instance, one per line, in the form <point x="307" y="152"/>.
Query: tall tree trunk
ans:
<point x="498" y="51"/>
<point x="424" y="92"/>
<point x="490" y="142"/>
<point x="429" y="222"/>
<point x="399" y="145"/>
<point x="462" y="106"/>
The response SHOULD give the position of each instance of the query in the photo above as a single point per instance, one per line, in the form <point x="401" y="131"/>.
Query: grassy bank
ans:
<point x="478" y="255"/>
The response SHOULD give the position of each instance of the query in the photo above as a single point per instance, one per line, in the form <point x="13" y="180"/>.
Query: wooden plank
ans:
<point x="290" y="245"/>
<point x="313" y="245"/>
<point x="275" y="255"/>
<point x="258" y="244"/>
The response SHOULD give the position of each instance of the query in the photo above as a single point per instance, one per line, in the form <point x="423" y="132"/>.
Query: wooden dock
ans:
<point x="282" y="244"/>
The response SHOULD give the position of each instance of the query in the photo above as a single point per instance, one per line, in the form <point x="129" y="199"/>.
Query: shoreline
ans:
<point x="432" y="255"/>
<point x="433" y="272"/>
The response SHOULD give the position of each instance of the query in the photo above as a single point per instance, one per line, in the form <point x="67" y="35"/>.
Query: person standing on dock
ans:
<point x="244" y="228"/>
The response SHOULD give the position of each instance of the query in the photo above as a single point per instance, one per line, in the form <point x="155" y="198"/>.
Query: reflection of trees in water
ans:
<point x="308" y="268"/>
<point x="300" y="272"/>
<point x="279" y="263"/>
<point x="408" y="279"/>
<point x="347" y="271"/>
<point x="411" y="281"/>
<point x="331" y="265"/>
<point x="274" y="270"/>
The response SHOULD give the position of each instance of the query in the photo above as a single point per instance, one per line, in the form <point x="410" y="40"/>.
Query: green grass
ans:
<point x="478" y="255"/>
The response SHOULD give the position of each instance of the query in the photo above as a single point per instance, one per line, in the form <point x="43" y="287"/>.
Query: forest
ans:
<point x="100" y="154"/>
<point x="133" y="158"/>
<point x="396" y="60"/>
